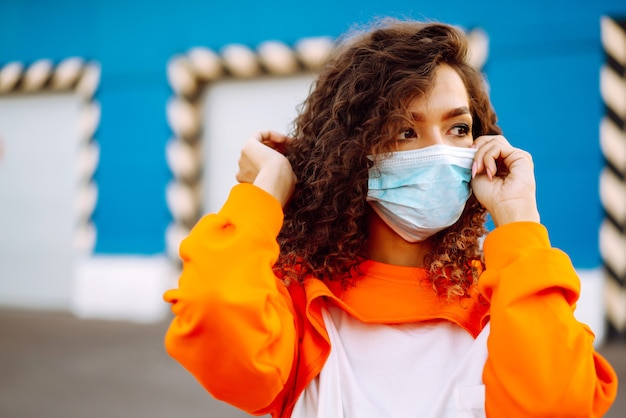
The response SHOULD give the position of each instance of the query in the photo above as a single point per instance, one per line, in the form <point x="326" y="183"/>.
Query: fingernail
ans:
<point x="474" y="169"/>
<point x="489" y="175"/>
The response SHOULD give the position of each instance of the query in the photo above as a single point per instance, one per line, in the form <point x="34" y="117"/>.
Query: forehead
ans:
<point x="448" y="91"/>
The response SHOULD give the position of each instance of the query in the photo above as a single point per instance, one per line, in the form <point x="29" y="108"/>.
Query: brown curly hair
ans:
<point x="357" y="107"/>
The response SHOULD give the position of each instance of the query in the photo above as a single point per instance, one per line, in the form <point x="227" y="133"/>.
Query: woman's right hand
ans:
<point x="263" y="164"/>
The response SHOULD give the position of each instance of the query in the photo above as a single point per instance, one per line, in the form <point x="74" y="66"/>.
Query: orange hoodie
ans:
<point x="255" y="343"/>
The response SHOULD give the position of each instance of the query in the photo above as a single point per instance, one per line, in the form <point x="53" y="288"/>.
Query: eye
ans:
<point x="407" y="134"/>
<point x="461" y="129"/>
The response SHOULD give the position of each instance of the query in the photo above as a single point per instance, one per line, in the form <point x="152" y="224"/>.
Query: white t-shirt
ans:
<point x="426" y="370"/>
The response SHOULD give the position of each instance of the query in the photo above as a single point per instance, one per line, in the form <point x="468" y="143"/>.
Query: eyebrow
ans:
<point x="452" y="113"/>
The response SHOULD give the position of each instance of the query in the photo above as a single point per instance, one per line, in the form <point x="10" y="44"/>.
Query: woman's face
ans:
<point x="440" y="117"/>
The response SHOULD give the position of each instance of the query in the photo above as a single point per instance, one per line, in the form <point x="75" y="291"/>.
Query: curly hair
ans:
<point x="357" y="107"/>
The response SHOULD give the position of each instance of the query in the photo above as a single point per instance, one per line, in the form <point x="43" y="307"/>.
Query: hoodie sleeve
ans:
<point x="233" y="326"/>
<point x="541" y="360"/>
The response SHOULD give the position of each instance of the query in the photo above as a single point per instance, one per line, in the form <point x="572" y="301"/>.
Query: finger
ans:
<point x="241" y="177"/>
<point x="274" y="139"/>
<point x="273" y="136"/>
<point x="484" y="144"/>
<point x="250" y="159"/>
<point x="493" y="157"/>
<point x="245" y="172"/>
<point x="521" y="162"/>
<point x="255" y="155"/>
<point x="482" y="140"/>
<point x="479" y="144"/>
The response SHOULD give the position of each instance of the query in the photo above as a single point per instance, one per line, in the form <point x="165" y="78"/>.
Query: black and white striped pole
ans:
<point x="613" y="177"/>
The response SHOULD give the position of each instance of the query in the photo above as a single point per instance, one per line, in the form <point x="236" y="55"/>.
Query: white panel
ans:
<point x="38" y="181"/>
<point x="126" y="287"/>
<point x="590" y="306"/>
<point x="232" y="111"/>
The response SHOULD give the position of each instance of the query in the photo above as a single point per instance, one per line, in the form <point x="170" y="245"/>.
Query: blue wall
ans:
<point x="543" y="69"/>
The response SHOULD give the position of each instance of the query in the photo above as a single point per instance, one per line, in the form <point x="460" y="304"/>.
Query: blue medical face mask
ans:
<point x="421" y="192"/>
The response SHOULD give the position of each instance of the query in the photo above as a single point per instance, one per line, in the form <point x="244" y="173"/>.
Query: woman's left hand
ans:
<point x="503" y="180"/>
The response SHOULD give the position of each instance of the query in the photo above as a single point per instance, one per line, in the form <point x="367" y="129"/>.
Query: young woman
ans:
<point x="345" y="276"/>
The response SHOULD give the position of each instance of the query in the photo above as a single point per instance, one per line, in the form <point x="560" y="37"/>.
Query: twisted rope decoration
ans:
<point x="613" y="178"/>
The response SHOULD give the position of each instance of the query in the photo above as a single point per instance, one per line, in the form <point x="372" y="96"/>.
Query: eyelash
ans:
<point x="464" y="127"/>
<point x="410" y="133"/>
<point x="403" y="135"/>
